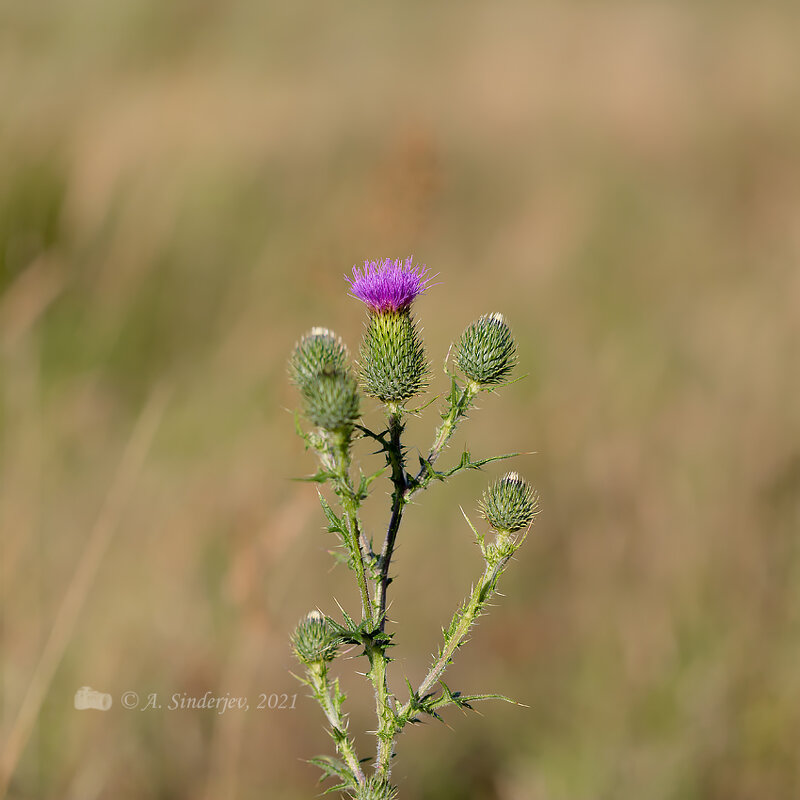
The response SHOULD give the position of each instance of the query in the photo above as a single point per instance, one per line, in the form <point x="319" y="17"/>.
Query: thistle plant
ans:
<point x="393" y="369"/>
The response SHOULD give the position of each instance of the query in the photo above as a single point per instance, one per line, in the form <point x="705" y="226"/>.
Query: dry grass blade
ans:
<point x="129" y="468"/>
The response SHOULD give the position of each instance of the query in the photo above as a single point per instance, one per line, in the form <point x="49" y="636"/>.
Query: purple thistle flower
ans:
<point x="389" y="285"/>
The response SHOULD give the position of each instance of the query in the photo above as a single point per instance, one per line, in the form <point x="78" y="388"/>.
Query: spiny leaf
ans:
<point x="380" y="438"/>
<point x="322" y="476"/>
<point x="420" y="409"/>
<point x="334" y="768"/>
<point x="312" y="441"/>
<point x="338" y="696"/>
<point x="467" y="462"/>
<point x="335" y="525"/>
<point x="454" y="397"/>
<point x="463" y="701"/>
<point x="366" y="481"/>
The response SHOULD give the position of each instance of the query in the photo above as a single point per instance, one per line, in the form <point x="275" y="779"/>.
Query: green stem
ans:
<point x="387" y="719"/>
<point x="478" y="598"/>
<point x="358" y="546"/>
<point x="404" y="490"/>
<point x="398" y="502"/>
<point x="463" y="620"/>
<point x="444" y="432"/>
<point x="318" y="676"/>
<point x="389" y="722"/>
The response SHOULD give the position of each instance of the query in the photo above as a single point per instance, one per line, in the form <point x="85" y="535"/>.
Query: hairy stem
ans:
<point x="470" y="613"/>
<point x="404" y="490"/>
<point x="388" y="723"/>
<point x="463" y="620"/>
<point x="358" y="546"/>
<point x="387" y="719"/>
<point x="459" y="405"/>
<point x="318" y="678"/>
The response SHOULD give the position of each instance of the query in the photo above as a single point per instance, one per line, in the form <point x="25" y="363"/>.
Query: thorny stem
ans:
<point x="388" y="723"/>
<point x="337" y="459"/>
<point x="387" y="719"/>
<point x="463" y="620"/>
<point x="480" y="594"/>
<point x="358" y="546"/>
<point x="398" y="502"/>
<point x="457" y="410"/>
<point x="318" y="678"/>
<point x="405" y="489"/>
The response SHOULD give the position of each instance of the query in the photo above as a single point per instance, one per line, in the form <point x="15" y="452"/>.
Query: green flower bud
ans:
<point x="375" y="788"/>
<point x="314" y="640"/>
<point x="486" y="352"/>
<point x="392" y="361"/>
<point x="331" y="399"/>
<point x="509" y="504"/>
<point x="318" y="351"/>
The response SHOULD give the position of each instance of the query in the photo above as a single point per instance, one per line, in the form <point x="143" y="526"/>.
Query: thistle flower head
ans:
<point x="389" y="285"/>
<point x="314" y="640"/>
<point x="486" y="352"/>
<point x="319" y="350"/>
<point x="509" y="504"/>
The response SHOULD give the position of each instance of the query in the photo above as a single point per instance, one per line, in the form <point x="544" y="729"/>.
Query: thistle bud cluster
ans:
<point x="330" y="393"/>
<point x="393" y="368"/>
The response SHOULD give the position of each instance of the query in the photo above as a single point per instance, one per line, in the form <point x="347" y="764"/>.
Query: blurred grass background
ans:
<point x="182" y="187"/>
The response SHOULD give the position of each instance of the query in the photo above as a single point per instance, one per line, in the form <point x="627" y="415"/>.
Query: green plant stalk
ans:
<point x="400" y="483"/>
<point x="403" y="490"/>
<point x="340" y="458"/>
<point x="318" y="680"/>
<point x="386" y="717"/>
<point x="334" y="450"/>
<point x="464" y="619"/>
<point x="459" y="406"/>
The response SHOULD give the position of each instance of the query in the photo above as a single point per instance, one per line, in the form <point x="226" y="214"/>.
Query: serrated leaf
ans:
<point x="454" y="396"/>
<point x="322" y="476"/>
<point x="466" y="462"/>
<point x="464" y="701"/>
<point x="334" y="523"/>
<point x="334" y="768"/>
<point x="366" y="482"/>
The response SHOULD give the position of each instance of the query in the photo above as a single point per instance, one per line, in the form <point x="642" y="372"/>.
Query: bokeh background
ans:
<point x="182" y="187"/>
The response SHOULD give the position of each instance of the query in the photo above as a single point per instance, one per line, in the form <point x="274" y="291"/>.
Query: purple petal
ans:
<point x="389" y="285"/>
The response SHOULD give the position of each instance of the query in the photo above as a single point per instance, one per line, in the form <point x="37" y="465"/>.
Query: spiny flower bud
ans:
<point x="319" y="350"/>
<point x="331" y="399"/>
<point x="375" y="788"/>
<point x="314" y="640"/>
<point x="392" y="361"/>
<point x="509" y="504"/>
<point x="486" y="352"/>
